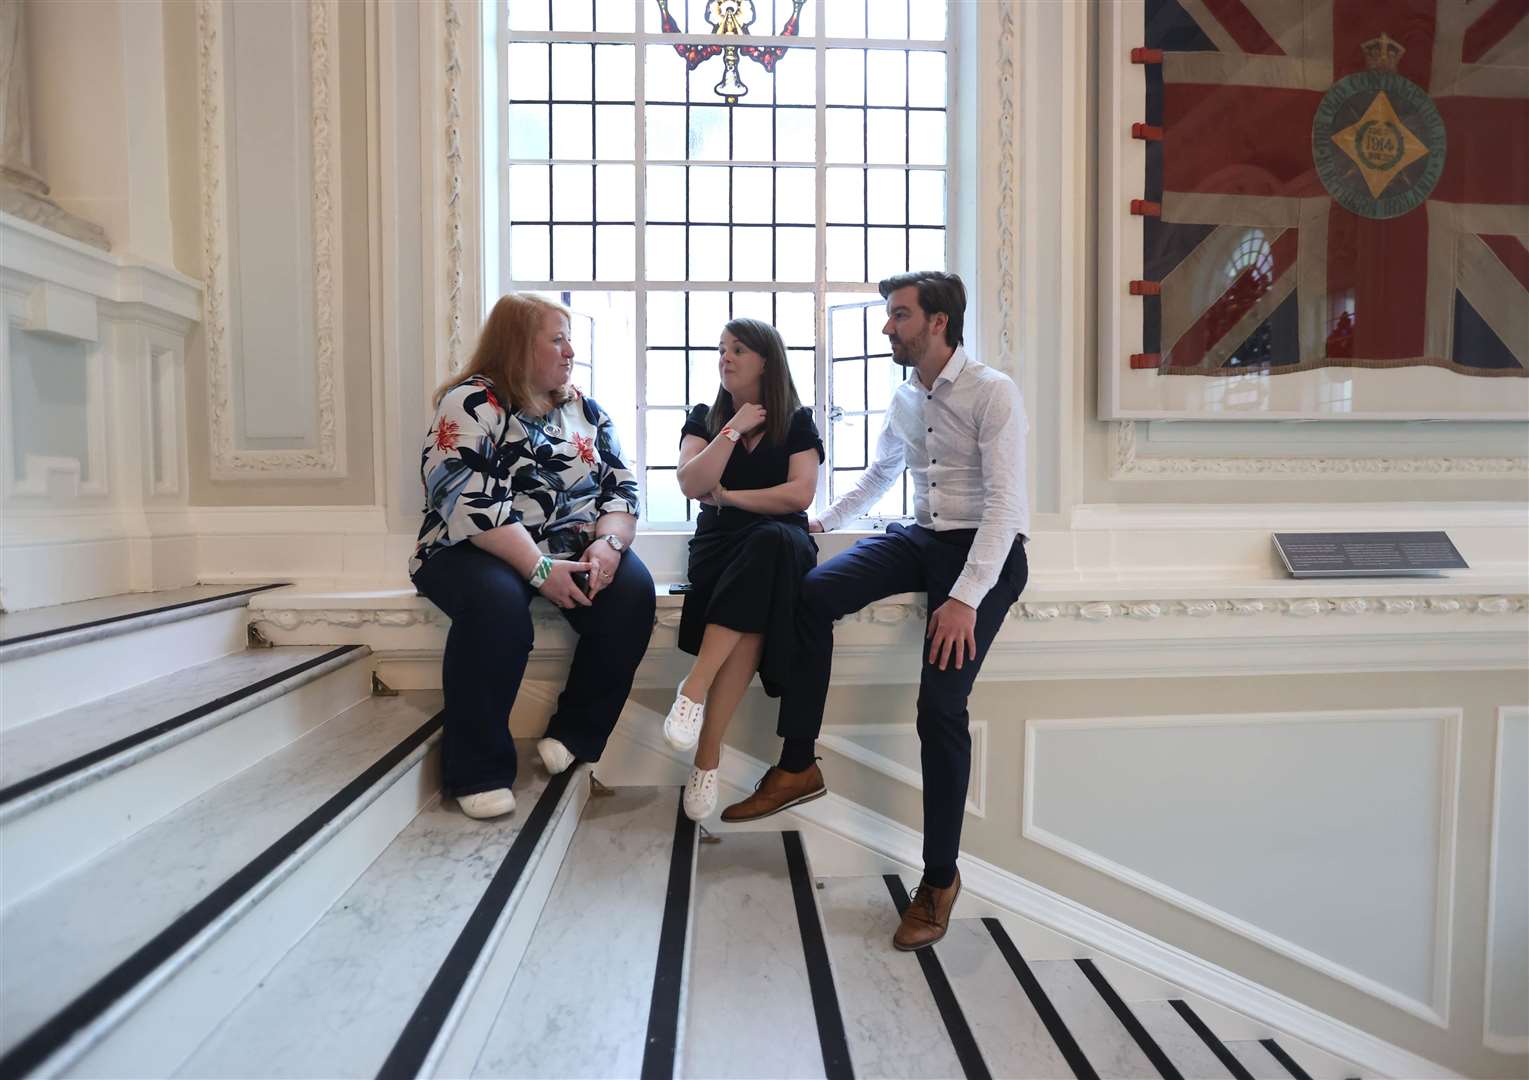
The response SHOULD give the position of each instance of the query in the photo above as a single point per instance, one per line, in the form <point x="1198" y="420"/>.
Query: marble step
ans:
<point x="121" y="641"/>
<point x="449" y="887"/>
<point x="1265" y="1059"/>
<point x="760" y="995"/>
<point x="599" y="989"/>
<point x="896" y="1025"/>
<point x="175" y="924"/>
<point x="1110" y="1038"/>
<point x="75" y="783"/>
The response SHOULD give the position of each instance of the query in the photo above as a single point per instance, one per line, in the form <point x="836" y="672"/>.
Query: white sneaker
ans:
<point x="682" y="727"/>
<point x="701" y="794"/>
<point x="554" y="755"/>
<point x="487" y="804"/>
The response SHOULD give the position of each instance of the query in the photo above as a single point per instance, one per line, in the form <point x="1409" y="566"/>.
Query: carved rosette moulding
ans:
<point x="1006" y="275"/>
<point x="229" y="460"/>
<point x="455" y="238"/>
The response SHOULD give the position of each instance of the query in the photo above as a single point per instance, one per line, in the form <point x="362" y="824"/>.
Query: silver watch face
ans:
<point x="613" y="541"/>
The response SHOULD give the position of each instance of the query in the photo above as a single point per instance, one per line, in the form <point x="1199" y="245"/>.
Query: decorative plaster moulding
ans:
<point x="1005" y="223"/>
<point x="1129" y="464"/>
<point x="229" y="461"/>
<point x="456" y="240"/>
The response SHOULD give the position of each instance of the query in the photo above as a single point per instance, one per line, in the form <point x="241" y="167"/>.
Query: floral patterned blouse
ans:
<point x="484" y="467"/>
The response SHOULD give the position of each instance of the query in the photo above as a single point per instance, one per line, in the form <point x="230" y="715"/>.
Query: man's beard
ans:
<point x="912" y="351"/>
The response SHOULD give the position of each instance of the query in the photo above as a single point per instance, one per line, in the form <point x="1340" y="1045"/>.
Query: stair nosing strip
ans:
<point x="1128" y="1020"/>
<point x="269" y="868"/>
<point x="43" y="641"/>
<point x="1224" y="1055"/>
<point x="661" y="1049"/>
<point x="58" y="780"/>
<point x="1287" y="1062"/>
<point x="833" y="1041"/>
<point x="1056" y="1027"/>
<point x="961" y="1037"/>
<point x="421" y="1032"/>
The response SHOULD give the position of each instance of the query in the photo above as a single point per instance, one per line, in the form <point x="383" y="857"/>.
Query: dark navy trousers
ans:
<point x="905" y="559"/>
<point x="486" y="652"/>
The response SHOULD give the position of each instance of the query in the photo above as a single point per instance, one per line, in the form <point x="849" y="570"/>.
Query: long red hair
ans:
<point x="503" y="353"/>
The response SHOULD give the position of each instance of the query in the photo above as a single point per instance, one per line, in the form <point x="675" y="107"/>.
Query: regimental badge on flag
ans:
<point x="1335" y="183"/>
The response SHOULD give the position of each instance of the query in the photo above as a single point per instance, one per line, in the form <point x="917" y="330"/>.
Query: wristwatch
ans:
<point x="730" y="434"/>
<point x="613" y="541"/>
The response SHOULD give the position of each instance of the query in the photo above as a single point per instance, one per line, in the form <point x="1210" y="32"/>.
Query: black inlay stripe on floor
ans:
<point x="58" y="630"/>
<point x="1055" y="1025"/>
<point x="820" y="980"/>
<point x="664" y="1011"/>
<point x="1208" y="1037"/>
<point x="961" y="1036"/>
<point x="1128" y="1020"/>
<point x="424" y="1026"/>
<point x="55" y="1033"/>
<point x="138" y="738"/>
<point x="1285" y="1059"/>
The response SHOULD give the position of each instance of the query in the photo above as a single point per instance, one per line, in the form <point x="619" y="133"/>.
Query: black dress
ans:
<point x="746" y="569"/>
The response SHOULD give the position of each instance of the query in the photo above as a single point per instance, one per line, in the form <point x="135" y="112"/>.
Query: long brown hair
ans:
<point x="780" y="397"/>
<point x="503" y="355"/>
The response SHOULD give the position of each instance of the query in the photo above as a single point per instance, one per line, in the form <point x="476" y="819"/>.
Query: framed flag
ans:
<point x="1314" y="209"/>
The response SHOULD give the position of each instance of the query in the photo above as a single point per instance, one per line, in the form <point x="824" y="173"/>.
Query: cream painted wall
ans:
<point x="996" y="836"/>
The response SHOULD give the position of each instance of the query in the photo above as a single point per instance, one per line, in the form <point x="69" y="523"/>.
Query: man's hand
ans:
<point x="814" y="525"/>
<point x="952" y="631"/>
<point x="603" y="561"/>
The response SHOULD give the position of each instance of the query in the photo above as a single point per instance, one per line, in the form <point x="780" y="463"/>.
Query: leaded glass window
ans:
<point x="670" y="164"/>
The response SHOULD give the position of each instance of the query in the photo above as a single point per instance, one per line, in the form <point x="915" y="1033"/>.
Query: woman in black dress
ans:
<point x="752" y="460"/>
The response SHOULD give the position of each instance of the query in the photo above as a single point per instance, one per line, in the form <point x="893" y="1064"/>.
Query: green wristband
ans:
<point x="542" y="572"/>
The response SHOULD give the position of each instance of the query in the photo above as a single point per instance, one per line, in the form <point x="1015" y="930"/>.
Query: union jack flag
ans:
<point x="1335" y="183"/>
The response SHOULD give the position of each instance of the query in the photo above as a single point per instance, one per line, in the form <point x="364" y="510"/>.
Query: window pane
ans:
<point x="572" y="72"/>
<point x="796" y="136"/>
<point x="846" y="253"/>
<point x="889" y="20"/>
<point x="708" y="133"/>
<point x="572" y="131"/>
<point x="664" y="74"/>
<point x="926" y="197"/>
<point x="577" y="15"/>
<point x="796" y="77"/>
<point x="708" y="193"/>
<point x="704" y="377"/>
<point x="844" y="77"/>
<point x="709" y="248"/>
<point x="666" y="317"/>
<point x="573" y="253"/>
<point x="845" y="135"/>
<point x="708" y="313"/>
<point x="888" y="189"/>
<point x="615" y="199"/>
<point x="616" y="252"/>
<point x="849" y="442"/>
<point x="664" y="435"/>
<point x="846" y="196"/>
<point x="884" y="377"/>
<point x="528" y="131"/>
<point x="751" y="253"/>
<point x="666" y="377"/>
<point x="528" y="15"/>
<point x="526" y="71"/>
<point x="663" y="499"/>
<point x="615" y="132"/>
<point x="794" y="253"/>
<point x="848" y="331"/>
<point x="886" y="135"/>
<point x="795" y="196"/>
<point x="802" y="365"/>
<point x="751" y="133"/>
<point x="530" y="252"/>
<point x="886" y="77"/>
<point x="666" y="132"/>
<point x="665" y="247"/>
<point x="926" y="249"/>
<point x="926" y="138"/>
<point x="751" y="199"/>
<point x="573" y="197"/>
<point x="666" y="193"/>
<point x="529" y="194"/>
<point x="844" y="18"/>
<point x="926" y="79"/>
<point x="887" y="252"/>
<point x="849" y="384"/>
<point x="609" y="351"/>
<point x="794" y="318"/>
<point x="754" y="305"/>
<point x="614" y="16"/>
<point x="928" y="22"/>
<point x="894" y="503"/>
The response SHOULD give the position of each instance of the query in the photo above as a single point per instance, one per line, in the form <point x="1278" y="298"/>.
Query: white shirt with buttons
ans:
<point x="964" y="442"/>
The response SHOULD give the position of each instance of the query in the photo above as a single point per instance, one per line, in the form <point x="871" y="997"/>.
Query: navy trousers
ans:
<point x="486" y="652"/>
<point x="905" y="559"/>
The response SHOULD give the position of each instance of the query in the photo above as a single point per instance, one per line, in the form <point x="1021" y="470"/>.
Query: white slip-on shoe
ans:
<point x="701" y="794"/>
<point x="554" y="755"/>
<point x="682" y="727"/>
<point x="487" y="804"/>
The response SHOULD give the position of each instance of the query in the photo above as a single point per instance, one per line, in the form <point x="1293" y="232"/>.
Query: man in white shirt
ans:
<point x="959" y="427"/>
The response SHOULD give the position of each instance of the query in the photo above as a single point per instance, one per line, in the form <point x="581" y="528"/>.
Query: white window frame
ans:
<point x="959" y="159"/>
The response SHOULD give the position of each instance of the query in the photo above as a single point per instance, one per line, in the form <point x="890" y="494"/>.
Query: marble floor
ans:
<point x="16" y="626"/>
<point x="1098" y="1031"/>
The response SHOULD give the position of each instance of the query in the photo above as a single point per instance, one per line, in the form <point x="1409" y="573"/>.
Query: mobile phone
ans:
<point x="581" y="579"/>
<point x="679" y="587"/>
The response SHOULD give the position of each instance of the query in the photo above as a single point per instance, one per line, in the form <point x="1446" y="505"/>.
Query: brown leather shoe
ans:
<point x="927" y="916"/>
<point x="778" y="790"/>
